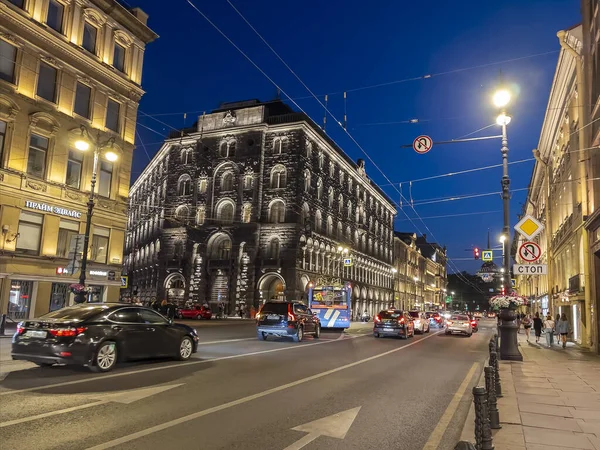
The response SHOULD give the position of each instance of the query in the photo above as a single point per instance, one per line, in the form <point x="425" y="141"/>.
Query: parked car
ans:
<point x="393" y="322"/>
<point x="98" y="335"/>
<point x="195" y="312"/>
<point x="459" y="323"/>
<point x="420" y="321"/>
<point x="435" y="319"/>
<point x="286" y="319"/>
<point x="474" y="323"/>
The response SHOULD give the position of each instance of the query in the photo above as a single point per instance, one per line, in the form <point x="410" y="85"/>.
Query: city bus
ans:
<point x="330" y="300"/>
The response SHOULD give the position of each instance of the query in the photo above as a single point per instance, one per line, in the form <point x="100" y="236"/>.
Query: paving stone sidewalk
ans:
<point x="551" y="400"/>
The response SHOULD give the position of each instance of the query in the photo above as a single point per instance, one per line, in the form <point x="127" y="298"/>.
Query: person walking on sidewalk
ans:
<point x="549" y="329"/>
<point x="563" y="328"/>
<point x="537" y="327"/>
<point x="527" y="325"/>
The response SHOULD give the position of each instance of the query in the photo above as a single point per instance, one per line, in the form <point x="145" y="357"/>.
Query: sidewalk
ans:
<point x="551" y="400"/>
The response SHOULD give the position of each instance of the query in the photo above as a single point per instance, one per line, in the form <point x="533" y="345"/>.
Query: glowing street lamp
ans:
<point x="501" y="98"/>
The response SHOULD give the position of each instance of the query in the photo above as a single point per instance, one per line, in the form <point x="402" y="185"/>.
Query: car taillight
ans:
<point x="473" y="322"/>
<point x="20" y="328"/>
<point x="291" y="317"/>
<point x="67" y="332"/>
<point x="377" y="318"/>
<point x="401" y="320"/>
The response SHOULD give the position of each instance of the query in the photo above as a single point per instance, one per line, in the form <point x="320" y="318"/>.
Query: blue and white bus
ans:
<point x="330" y="299"/>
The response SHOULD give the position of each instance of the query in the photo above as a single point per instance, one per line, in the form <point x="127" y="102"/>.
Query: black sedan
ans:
<point x="393" y="322"/>
<point x="97" y="335"/>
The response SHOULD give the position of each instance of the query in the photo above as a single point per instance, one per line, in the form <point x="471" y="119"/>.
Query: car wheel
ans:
<point x="376" y="334"/>
<point x="105" y="358"/>
<point x="428" y="329"/>
<point x="261" y="336"/>
<point x="299" y="335"/>
<point x="186" y="348"/>
<point x="446" y="332"/>
<point x="317" y="334"/>
<point x="198" y="317"/>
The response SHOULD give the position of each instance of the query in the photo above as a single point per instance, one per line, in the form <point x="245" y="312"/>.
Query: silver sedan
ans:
<point x="459" y="323"/>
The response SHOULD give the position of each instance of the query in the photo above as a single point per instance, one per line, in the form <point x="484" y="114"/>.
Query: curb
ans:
<point x="468" y="431"/>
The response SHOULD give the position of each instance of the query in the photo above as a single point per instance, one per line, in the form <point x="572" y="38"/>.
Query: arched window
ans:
<point x="201" y="215"/>
<point x="202" y="186"/>
<point x="319" y="188"/>
<point x="321" y="159"/>
<point x="309" y="147"/>
<point x="340" y="203"/>
<point x="227" y="149"/>
<point x="349" y="209"/>
<point x="248" y="182"/>
<point x="225" y="212"/>
<point x="318" y="222"/>
<point x="339" y="230"/>
<point x="348" y="233"/>
<point x="279" y="145"/>
<point x="182" y="213"/>
<point x="277" y="212"/>
<point x="186" y="156"/>
<point x="184" y="185"/>
<point x="273" y="249"/>
<point x="329" y="226"/>
<point x="278" y="176"/>
<point x="331" y="169"/>
<point x="246" y="213"/>
<point x="227" y="181"/>
<point x="219" y="247"/>
<point x="341" y="177"/>
<point x="330" y="197"/>
<point x="305" y="215"/>
<point x="350" y="185"/>
<point x="307" y="180"/>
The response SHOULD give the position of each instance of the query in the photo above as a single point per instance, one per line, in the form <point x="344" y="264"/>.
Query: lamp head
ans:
<point x="501" y="98"/>
<point x="503" y="119"/>
<point x="82" y="144"/>
<point x="111" y="156"/>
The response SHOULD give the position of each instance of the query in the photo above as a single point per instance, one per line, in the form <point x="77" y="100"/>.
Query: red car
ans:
<point x="195" y="312"/>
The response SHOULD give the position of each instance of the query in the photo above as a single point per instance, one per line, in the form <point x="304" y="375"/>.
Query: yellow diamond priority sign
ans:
<point x="529" y="227"/>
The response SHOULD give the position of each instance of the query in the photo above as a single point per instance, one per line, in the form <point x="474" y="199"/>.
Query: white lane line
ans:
<point x="227" y="340"/>
<point x="51" y="413"/>
<point x="438" y="433"/>
<point x="170" y="366"/>
<point x="205" y="412"/>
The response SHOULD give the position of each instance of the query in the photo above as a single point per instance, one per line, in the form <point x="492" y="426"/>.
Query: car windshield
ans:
<point x="460" y="317"/>
<point x="275" y="308"/>
<point x="414" y="313"/>
<point x="75" y="312"/>
<point x="390" y="314"/>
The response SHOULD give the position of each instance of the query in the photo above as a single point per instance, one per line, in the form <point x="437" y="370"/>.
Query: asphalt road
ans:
<point x="239" y="393"/>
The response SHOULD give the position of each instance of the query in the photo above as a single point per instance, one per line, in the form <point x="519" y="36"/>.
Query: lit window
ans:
<point x="74" y="169"/>
<point x="184" y="186"/>
<point x="36" y="159"/>
<point x="273" y="249"/>
<point x="100" y="244"/>
<point x="46" y="86"/>
<point x="66" y="230"/>
<point x="90" y="33"/>
<point x="112" y="115"/>
<point x="227" y="182"/>
<point x="277" y="212"/>
<point x="248" y="182"/>
<point x="247" y="213"/>
<point x="83" y="95"/>
<point x="30" y="233"/>
<point x="278" y="177"/>
<point x="8" y="61"/>
<point x="105" y="178"/>
<point x="201" y="216"/>
<point x="202" y="187"/>
<point x="56" y="12"/>
<point x="225" y="213"/>
<point x="119" y="57"/>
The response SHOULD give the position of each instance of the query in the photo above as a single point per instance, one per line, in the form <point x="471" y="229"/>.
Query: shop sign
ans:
<point x="52" y="209"/>
<point x="98" y="273"/>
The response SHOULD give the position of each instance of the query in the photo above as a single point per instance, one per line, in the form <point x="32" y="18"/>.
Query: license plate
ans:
<point x="35" y="334"/>
<point x="388" y="329"/>
<point x="273" y="317"/>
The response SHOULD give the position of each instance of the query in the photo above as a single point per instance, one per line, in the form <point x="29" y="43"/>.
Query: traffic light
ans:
<point x="476" y="253"/>
<point x="503" y="290"/>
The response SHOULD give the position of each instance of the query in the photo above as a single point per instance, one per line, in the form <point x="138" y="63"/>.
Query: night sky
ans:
<point x="339" y="45"/>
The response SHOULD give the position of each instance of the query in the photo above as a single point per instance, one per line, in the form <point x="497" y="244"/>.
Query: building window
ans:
<point x="83" y="95"/>
<point x="2" y="138"/>
<point x="202" y="187"/>
<point x="201" y="215"/>
<point x="185" y="156"/>
<point x="74" y="165"/>
<point x="105" y="178"/>
<point x="329" y="226"/>
<point x="321" y="159"/>
<point x="182" y="213"/>
<point x="112" y="115"/>
<point x="319" y="189"/>
<point x="227" y="182"/>
<point x="277" y="212"/>
<point x="66" y="230"/>
<point x="273" y="249"/>
<point x="46" y="86"/>
<point x="279" y="145"/>
<point x="220" y="247"/>
<point x="90" y="33"/>
<point x="8" y="61"/>
<point x="119" y="57"/>
<point x="278" y="176"/>
<point x="100" y="244"/>
<point x="225" y="212"/>
<point x="18" y="3"/>
<point x="340" y="203"/>
<point x="248" y="182"/>
<point x="36" y="159"/>
<point x="30" y="233"/>
<point x="318" y="222"/>
<point x="184" y="186"/>
<point x="331" y="169"/>
<point x="306" y="180"/>
<point x="330" y="197"/>
<point x="56" y="12"/>
<point x="227" y="149"/>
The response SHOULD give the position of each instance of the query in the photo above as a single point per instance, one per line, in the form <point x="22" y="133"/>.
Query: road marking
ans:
<point x="124" y="397"/>
<point x="438" y="433"/>
<point x="214" y="409"/>
<point x="335" y="426"/>
<point x="170" y="366"/>
<point x="227" y="340"/>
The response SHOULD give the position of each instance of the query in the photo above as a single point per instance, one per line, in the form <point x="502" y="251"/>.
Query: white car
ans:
<point x="420" y="321"/>
<point x="459" y="323"/>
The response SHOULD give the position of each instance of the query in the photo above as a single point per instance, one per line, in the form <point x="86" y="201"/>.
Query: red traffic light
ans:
<point x="476" y="253"/>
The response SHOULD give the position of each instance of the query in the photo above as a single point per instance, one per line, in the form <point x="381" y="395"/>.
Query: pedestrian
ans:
<point x="556" y="332"/>
<point x="549" y="329"/>
<point x="537" y="327"/>
<point x="527" y="325"/>
<point x="171" y="311"/>
<point x="221" y="310"/>
<point x="519" y="317"/>
<point x="563" y="329"/>
<point x="163" y="308"/>
<point x="155" y="305"/>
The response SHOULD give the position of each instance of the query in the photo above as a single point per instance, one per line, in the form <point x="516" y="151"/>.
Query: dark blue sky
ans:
<point x="338" y="45"/>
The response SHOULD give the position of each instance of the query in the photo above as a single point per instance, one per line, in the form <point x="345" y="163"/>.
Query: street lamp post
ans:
<point x="83" y="144"/>
<point x="509" y="349"/>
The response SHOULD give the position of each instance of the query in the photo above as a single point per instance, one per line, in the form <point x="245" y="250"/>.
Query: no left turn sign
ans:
<point x="422" y="144"/>
<point x="530" y="251"/>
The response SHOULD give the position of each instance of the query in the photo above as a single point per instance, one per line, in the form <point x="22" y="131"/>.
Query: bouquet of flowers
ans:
<point x="507" y="301"/>
<point x="77" y="288"/>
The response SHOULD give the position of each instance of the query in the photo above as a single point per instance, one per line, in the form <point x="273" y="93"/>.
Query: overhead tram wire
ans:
<point x="307" y="88"/>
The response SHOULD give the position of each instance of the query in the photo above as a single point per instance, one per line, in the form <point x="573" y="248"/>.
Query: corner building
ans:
<point x="251" y="204"/>
<point x="64" y="64"/>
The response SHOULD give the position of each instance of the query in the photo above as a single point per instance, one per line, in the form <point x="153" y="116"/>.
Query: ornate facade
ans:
<point x="65" y="64"/>
<point x="251" y="204"/>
